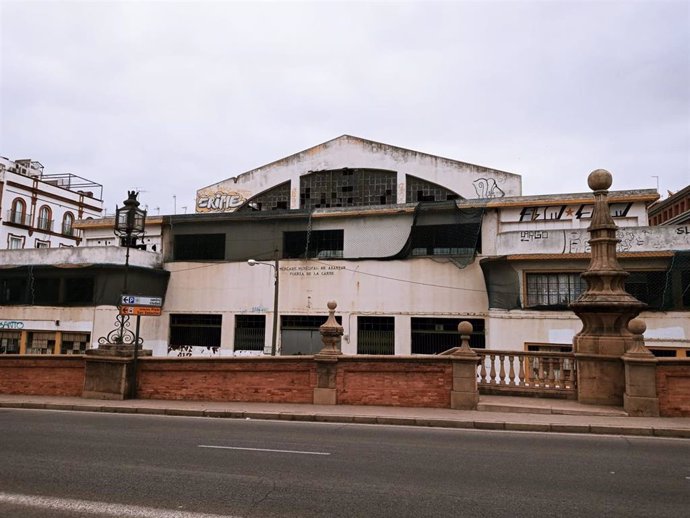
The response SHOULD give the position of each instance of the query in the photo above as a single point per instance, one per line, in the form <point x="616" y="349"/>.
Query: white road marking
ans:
<point x="263" y="449"/>
<point x="98" y="508"/>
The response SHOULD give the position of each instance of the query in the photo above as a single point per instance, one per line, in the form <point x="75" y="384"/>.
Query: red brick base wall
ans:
<point x="268" y="380"/>
<point x="673" y="387"/>
<point x="42" y="375"/>
<point x="412" y="382"/>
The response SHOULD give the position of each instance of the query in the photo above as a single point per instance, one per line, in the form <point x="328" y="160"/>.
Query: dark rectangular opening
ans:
<point x="647" y="287"/>
<point x="46" y="291"/>
<point x="250" y="332"/>
<point x="452" y="239"/>
<point x="197" y="330"/>
<point x="321" y="244"/>
<point x="79" y="291"/>
<point x="13" y="291"/>
<point x="199" y="247"/>
<point x="375" y="335"/>
<point x="435" y="335"/>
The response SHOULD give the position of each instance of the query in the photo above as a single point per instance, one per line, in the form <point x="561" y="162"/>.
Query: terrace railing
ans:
<point x="516" y="373"/>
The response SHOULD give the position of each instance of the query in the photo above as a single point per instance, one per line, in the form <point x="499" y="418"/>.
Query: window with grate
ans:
<point x="434" y="335"/>
<point x="375" y="335"/>
<point x="420" y="190"/>
<point x="322" y="244"/>
<point x="74" y="343"/>
<point x="199" y="330"/>
<point x="41" y="343"/>
<point x="647" y="287"/>
<point x="553" y="290"/>
<point x="347" y="188"/>
<point x="199" y="247"/>
<point x="277" y="198"/>
<point x="443" y="240"/>
<point x="250" y="332"/>
<point x="9" y="342"/>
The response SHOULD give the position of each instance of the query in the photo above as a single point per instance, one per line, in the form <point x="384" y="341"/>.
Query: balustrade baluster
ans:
<point x="551" y="373"/>
<point x="511" y="370"/>
<point x="521" y="371"/>
<point x="502" y="370"/>
<point x="540" y="374"/>
<point x="482" y="369"/>
<point x="492" y="372"/>
<point x="529" y="371"/>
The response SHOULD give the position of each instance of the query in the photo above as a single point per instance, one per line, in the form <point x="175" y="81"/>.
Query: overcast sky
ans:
<point x="168" y="97"/>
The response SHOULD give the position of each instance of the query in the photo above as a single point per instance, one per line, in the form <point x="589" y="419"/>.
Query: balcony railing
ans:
<point x="529" y="373"/>
<point x="18" y="218"/>
<point x="45" y="224"/>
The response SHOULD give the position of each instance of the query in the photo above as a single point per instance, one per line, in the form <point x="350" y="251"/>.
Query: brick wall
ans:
<point x="276" y="380"/>
<point x="673" y="387"/>
<point x="42" y="375"/>
<point x="394" y="381"/>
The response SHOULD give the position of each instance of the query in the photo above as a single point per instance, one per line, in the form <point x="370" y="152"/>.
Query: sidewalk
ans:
<point x="526" y="414"/>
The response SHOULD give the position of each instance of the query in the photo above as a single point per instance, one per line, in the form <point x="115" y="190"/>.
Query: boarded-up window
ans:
<point x="199" y="247"/>
<point x="195" y="330"/>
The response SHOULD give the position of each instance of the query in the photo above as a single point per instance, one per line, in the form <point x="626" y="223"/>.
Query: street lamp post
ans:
<point x="276" y="287"/>
<point x="129" y="225"/>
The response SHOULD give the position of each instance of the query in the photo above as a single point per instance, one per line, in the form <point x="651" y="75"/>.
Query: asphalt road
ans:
<point x="91" y="464"/>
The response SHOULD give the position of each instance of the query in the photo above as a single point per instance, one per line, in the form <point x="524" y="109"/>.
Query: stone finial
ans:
<point x="637" y="327"/>
<point x="331" y="332"/>
<point x="599" y="180"/>
<point x="465" y="329"/>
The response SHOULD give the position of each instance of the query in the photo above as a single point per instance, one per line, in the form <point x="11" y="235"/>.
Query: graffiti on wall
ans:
<point x="11" y="324"/>
<point x="563" y="212"/>
<point x="487" y="188"/>
<point x="219" y="200"/>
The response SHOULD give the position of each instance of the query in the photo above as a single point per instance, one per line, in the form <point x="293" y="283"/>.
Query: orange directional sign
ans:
<point x="142" y="311"/>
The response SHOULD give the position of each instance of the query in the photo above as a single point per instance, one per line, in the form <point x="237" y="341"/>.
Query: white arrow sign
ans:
<point x="132" y="300"/>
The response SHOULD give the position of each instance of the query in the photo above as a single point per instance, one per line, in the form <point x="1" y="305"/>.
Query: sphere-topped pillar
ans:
<point x="605" y="308"/>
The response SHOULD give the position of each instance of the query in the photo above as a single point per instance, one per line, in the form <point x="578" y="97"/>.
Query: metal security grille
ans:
<point x="347" y="188"/>
<point x="250" y="332"/>
<point x="74" y="343"/>
<point x="555" y="290"/>
<point x="644" y="286"/>
<point x="9" y="342"/>
<point x="375" y="335"/>
<point x="277" y="198"/>
<point x="195" y="330"/>
<point x="435" y="335"/>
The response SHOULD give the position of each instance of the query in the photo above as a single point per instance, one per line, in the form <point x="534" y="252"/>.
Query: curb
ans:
<point x="681" y="433"/>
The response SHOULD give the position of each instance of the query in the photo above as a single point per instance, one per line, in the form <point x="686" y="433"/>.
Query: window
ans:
<point x="15" y="242"/>
<point x="199" y="247"/>
<point x="443" y="240"/>
<point x="553" y="290"/>
<point x="250" y="332"/>
<point x="347" y="188"/>
<point x="44" y="218"/>
<point x="647" y="287"/>
<point x="42" y="244"/>
<point x="375" y="335"/>
<point x="41" y="343"/>
<point x="18" y="213"/>
<point x="74" y="343"/>
<point x="197" y="330"/>
<point x="67" y="223"/>
<point x="9" y="342"/>
<point x="435" y="335"/>
<point x="276" y="198"/>
<point x="322" y="244"/>
<point x="420" y="190"/>
<point x="45" y="291"/>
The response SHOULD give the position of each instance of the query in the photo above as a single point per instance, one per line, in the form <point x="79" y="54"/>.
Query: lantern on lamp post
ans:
<point x="129" y="226"/>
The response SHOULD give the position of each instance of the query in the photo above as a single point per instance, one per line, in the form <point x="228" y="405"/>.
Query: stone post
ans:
<point x="326" y="360"/>
<point x="640" y="397"/>
<point x="464" y="395"/>
<point x="605" y="308"/>
<point x="108" y="371"/>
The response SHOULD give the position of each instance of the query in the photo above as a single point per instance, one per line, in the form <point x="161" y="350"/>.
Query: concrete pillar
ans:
<point x="326" y="360"/>
<point x="640" y="398"/>
<point x="465" y="394"/>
